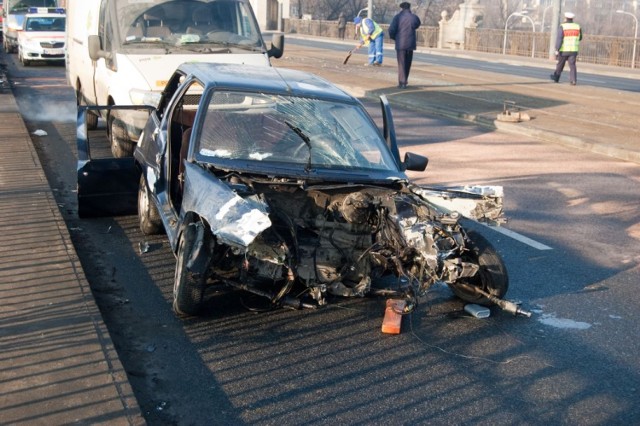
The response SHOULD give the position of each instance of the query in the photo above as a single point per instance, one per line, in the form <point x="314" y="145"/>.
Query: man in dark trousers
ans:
<point x="342" y="25"/>
<point x="567" y="45"/>
<point x="403" y="31"/>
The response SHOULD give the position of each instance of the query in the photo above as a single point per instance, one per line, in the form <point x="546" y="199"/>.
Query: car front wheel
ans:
<point x="148" y="215"/>
<point x="491" y="278"/>
<point x="24" y="61"/>
<point x="193" y="258"/>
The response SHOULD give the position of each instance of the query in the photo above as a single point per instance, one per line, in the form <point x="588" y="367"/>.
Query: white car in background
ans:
<point x="43" y="36"/>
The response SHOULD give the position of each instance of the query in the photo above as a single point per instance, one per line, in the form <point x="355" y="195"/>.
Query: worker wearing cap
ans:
<point x="371" y="35"/>
<point x="567" y="46"/>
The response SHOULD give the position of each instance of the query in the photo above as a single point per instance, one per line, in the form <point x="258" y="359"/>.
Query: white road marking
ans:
<point x="491" y="67"/>
<point x="521" y="238"/>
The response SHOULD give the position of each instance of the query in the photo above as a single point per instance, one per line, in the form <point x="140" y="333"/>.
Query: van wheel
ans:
<point x="195" y="249"/>
<point x="150" y="222"/>
<point x="121" y="145"/>
<point x="92" y="117"/>
<point x="92" y="121"/>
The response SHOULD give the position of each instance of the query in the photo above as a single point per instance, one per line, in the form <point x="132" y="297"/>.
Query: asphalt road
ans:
<point x="574" y="362"/>
<point x="503" y="65"/>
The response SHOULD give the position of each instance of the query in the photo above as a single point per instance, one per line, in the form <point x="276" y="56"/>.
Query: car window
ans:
<point x="294" y="130"/>
<point x="45" y="24"/>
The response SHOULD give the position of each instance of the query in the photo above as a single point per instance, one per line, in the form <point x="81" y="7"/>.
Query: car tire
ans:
<point x="491" y="278"/>
<point x="193" y="259"/>
<point x="121" y="145"/>
<point x="23" y="61"/>
<point x="148" y="215"/>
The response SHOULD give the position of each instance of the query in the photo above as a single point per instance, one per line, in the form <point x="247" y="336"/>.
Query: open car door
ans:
<point x="107" y="186"/>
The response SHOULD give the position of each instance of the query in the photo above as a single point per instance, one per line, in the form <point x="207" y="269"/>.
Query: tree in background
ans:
<point x="597" y="17"/>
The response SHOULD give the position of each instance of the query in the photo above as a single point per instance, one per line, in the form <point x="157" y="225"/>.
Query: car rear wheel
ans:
<point x="150" y="222"/>
<point x="121" y="145"/>
<point x="492" y="277"/>
<point x="192" y="264"/>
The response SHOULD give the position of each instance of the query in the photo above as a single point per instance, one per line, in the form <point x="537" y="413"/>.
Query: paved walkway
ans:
<point x="57" y="361"/>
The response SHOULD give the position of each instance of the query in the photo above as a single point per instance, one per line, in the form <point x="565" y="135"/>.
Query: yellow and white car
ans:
<point x="43" y="36"/>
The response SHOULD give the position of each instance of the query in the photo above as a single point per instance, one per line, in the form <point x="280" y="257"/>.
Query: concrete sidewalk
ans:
<point x="57" y="361"/>
<point x="586" y="117"/>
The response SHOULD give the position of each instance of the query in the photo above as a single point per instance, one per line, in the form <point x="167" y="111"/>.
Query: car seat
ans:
<point x="202" y="21"/>
<point x="154" y="24"/>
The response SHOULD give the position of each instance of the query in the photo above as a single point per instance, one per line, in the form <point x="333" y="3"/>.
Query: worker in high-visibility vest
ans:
<point x="567" y="46"/>
<point x="372" y="36"/>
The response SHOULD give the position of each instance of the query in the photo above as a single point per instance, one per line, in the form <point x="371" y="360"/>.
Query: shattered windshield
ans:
<point x="187" y="23"/>
<point x="286" y="129"/>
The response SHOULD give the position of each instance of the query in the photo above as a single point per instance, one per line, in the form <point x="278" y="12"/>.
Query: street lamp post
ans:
<point x="522" y="14"/>
<point x="635" y="36"/>
<point x="544" y="15"/>
<point x="366" y="9"/>
<point x="533" y="40"/>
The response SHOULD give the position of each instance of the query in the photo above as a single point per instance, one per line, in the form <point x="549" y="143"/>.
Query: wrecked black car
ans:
<point x="278" y="183"/>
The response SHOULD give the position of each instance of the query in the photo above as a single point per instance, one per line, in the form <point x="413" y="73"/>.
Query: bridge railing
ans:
<point x="596" y="49"/>
<point x="605" y="50"/>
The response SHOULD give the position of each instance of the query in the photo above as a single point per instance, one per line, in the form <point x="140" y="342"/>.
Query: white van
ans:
<point x="122" y="52"/>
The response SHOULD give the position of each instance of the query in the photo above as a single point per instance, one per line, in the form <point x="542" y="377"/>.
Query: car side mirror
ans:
<point x="277" y="46"/>
<point x="95" y="48"/>
<point x="415" y="162"/>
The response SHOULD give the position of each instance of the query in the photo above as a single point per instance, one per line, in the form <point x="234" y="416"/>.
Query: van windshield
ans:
<point x="24" y="5"/>
<point x="187" y="22"/>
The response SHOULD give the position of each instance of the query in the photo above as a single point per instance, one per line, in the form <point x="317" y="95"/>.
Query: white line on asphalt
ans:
<point x="491" y="67"/>
<point x="524" y="240"/>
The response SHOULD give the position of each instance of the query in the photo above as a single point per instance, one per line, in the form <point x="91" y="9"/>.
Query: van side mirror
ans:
<point x="95" y="48"/>
<point x="277" y="46"/>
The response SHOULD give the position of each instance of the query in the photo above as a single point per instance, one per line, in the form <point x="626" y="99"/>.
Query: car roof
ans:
<point x="265" y="78"/>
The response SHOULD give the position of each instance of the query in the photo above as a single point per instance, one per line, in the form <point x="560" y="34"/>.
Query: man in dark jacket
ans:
<point x="342" y="25"/>
<point x="403" y="31"/>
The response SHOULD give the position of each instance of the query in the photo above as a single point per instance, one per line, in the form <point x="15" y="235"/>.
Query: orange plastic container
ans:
<point x="392" y="319"/>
